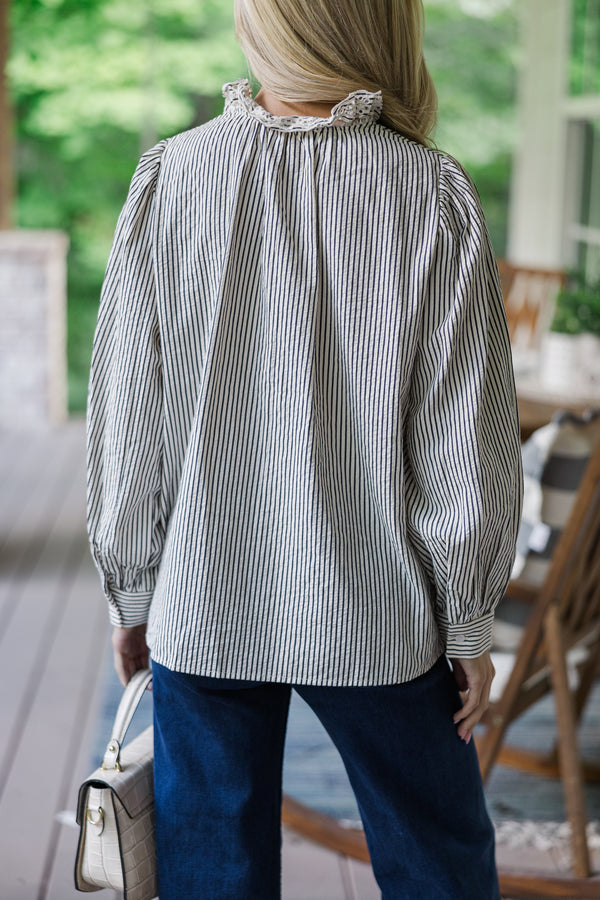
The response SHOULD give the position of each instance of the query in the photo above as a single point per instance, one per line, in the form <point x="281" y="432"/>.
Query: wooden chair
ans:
<point x="564" y="624"/>
<point x="564" y="618"/>
<point x="529" y="300"/>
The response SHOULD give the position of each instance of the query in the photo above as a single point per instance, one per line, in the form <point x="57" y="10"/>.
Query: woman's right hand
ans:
<point x="474" y="679"/>
<point x="130" y="651"/>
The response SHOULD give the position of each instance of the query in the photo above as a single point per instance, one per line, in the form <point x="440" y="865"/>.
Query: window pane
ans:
<point x="585" y="47"/>
<point x="590" y="182"/>
<point x="588" y="261"/>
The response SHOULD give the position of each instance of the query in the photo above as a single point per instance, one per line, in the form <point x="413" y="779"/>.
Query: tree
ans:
<point x="473" y="59"/>
<point x="6" y="124"/>
<point x="95" y="82"/>
<point x="472" y="47"/>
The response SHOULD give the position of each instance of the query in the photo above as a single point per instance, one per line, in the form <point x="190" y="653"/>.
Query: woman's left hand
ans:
<point x="130" y="651"/>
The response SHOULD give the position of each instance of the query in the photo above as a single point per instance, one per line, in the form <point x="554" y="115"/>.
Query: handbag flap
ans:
<point x="133" y="785"/>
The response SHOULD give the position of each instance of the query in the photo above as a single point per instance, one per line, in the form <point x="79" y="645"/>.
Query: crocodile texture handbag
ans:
<point x="115" y="810"/>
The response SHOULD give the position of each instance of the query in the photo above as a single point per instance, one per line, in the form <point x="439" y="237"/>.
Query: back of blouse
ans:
<point x="303" y="444"/>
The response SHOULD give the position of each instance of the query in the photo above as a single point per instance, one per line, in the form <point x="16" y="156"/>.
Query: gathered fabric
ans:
<point x="303" y="444"/>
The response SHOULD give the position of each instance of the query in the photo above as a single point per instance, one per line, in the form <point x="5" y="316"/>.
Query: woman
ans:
<point x="304" y="457"/>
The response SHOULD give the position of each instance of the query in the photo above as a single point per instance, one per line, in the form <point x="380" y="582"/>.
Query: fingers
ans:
<point x="470" y="714"/>
<point x="126" y="666"/>
<point x="474" y="677"/>
<point x="130" y="651"/>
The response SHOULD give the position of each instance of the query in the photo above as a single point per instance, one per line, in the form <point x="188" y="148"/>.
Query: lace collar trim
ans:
<point x="358" y="107"/>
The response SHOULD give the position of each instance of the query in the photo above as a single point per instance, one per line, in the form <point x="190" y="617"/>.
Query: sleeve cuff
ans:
<point x="129" y="609"/>
<point x="469" y="639"/>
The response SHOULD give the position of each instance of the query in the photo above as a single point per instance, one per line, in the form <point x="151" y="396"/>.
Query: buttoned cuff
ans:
<point x="469" y="639"/>
<point x="127" y="609"/>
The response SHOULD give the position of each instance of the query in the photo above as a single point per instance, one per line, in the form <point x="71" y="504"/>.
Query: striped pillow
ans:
<point x="554" y="460"/>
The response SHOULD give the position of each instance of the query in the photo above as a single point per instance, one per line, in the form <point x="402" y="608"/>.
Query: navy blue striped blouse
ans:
<point x="303" y="441"/>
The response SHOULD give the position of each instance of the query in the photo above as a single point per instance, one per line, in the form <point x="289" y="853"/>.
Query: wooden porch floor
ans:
<point x="53" y="680"/>
<point x="52" y="635"/>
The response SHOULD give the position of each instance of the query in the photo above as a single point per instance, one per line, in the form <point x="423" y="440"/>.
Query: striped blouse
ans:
<point x="303" y="442"/>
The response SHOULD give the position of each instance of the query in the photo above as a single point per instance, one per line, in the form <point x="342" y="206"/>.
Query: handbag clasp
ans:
<point x="98" y="820"/>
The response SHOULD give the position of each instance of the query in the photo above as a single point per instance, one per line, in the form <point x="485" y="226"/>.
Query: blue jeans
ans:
<point x="218" y="763"/>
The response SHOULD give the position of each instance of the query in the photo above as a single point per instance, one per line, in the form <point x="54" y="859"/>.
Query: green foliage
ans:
<point x="472" y="56"/>
<point x="97" y="82"/>
<point x="493" y="183"/>
<point x="578" y="307"/>
<point x="584" y="74"/>
<point x="473" y="61"/>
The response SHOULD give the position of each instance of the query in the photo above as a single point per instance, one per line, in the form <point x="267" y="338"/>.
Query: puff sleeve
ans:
<point x="463" y="478"/>
<point x="125" y="515"/>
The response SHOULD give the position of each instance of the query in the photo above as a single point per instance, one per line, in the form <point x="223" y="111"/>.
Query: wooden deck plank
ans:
<point x="55" y="629"/>
<point x="51" y="504"/>
<point x="57" y="877"/>
<point x="35" y="471"/>
<point x="34" y="602"/>
<point x="28" y="531"/>
<point x="310" y="872"/>
<point x="22" y="661"/>
<point x="57" y="880"/>
<point x="40" y="784"/>
<point x="38" y="602"/>
<point x="17" y="467"/>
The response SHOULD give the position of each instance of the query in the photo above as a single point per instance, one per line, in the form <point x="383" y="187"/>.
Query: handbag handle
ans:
<point x="132" y="695"/>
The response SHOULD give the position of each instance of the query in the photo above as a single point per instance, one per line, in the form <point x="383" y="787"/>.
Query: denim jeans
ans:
<point x="218" y="765"/>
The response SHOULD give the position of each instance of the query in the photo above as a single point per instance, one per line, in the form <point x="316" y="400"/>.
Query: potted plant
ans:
<point x="571" y="358"/>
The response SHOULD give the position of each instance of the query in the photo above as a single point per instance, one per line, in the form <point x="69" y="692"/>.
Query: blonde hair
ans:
<point x="322" y="50"/>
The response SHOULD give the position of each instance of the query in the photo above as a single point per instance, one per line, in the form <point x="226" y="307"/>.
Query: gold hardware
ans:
<point x="97" y="822"/>
<point x="113" y="747"/>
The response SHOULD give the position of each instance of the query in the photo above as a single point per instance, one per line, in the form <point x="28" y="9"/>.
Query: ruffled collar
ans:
<point x="359" y="107"/>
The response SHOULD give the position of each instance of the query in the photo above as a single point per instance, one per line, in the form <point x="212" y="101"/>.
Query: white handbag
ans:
<point x="115" y="810"/>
